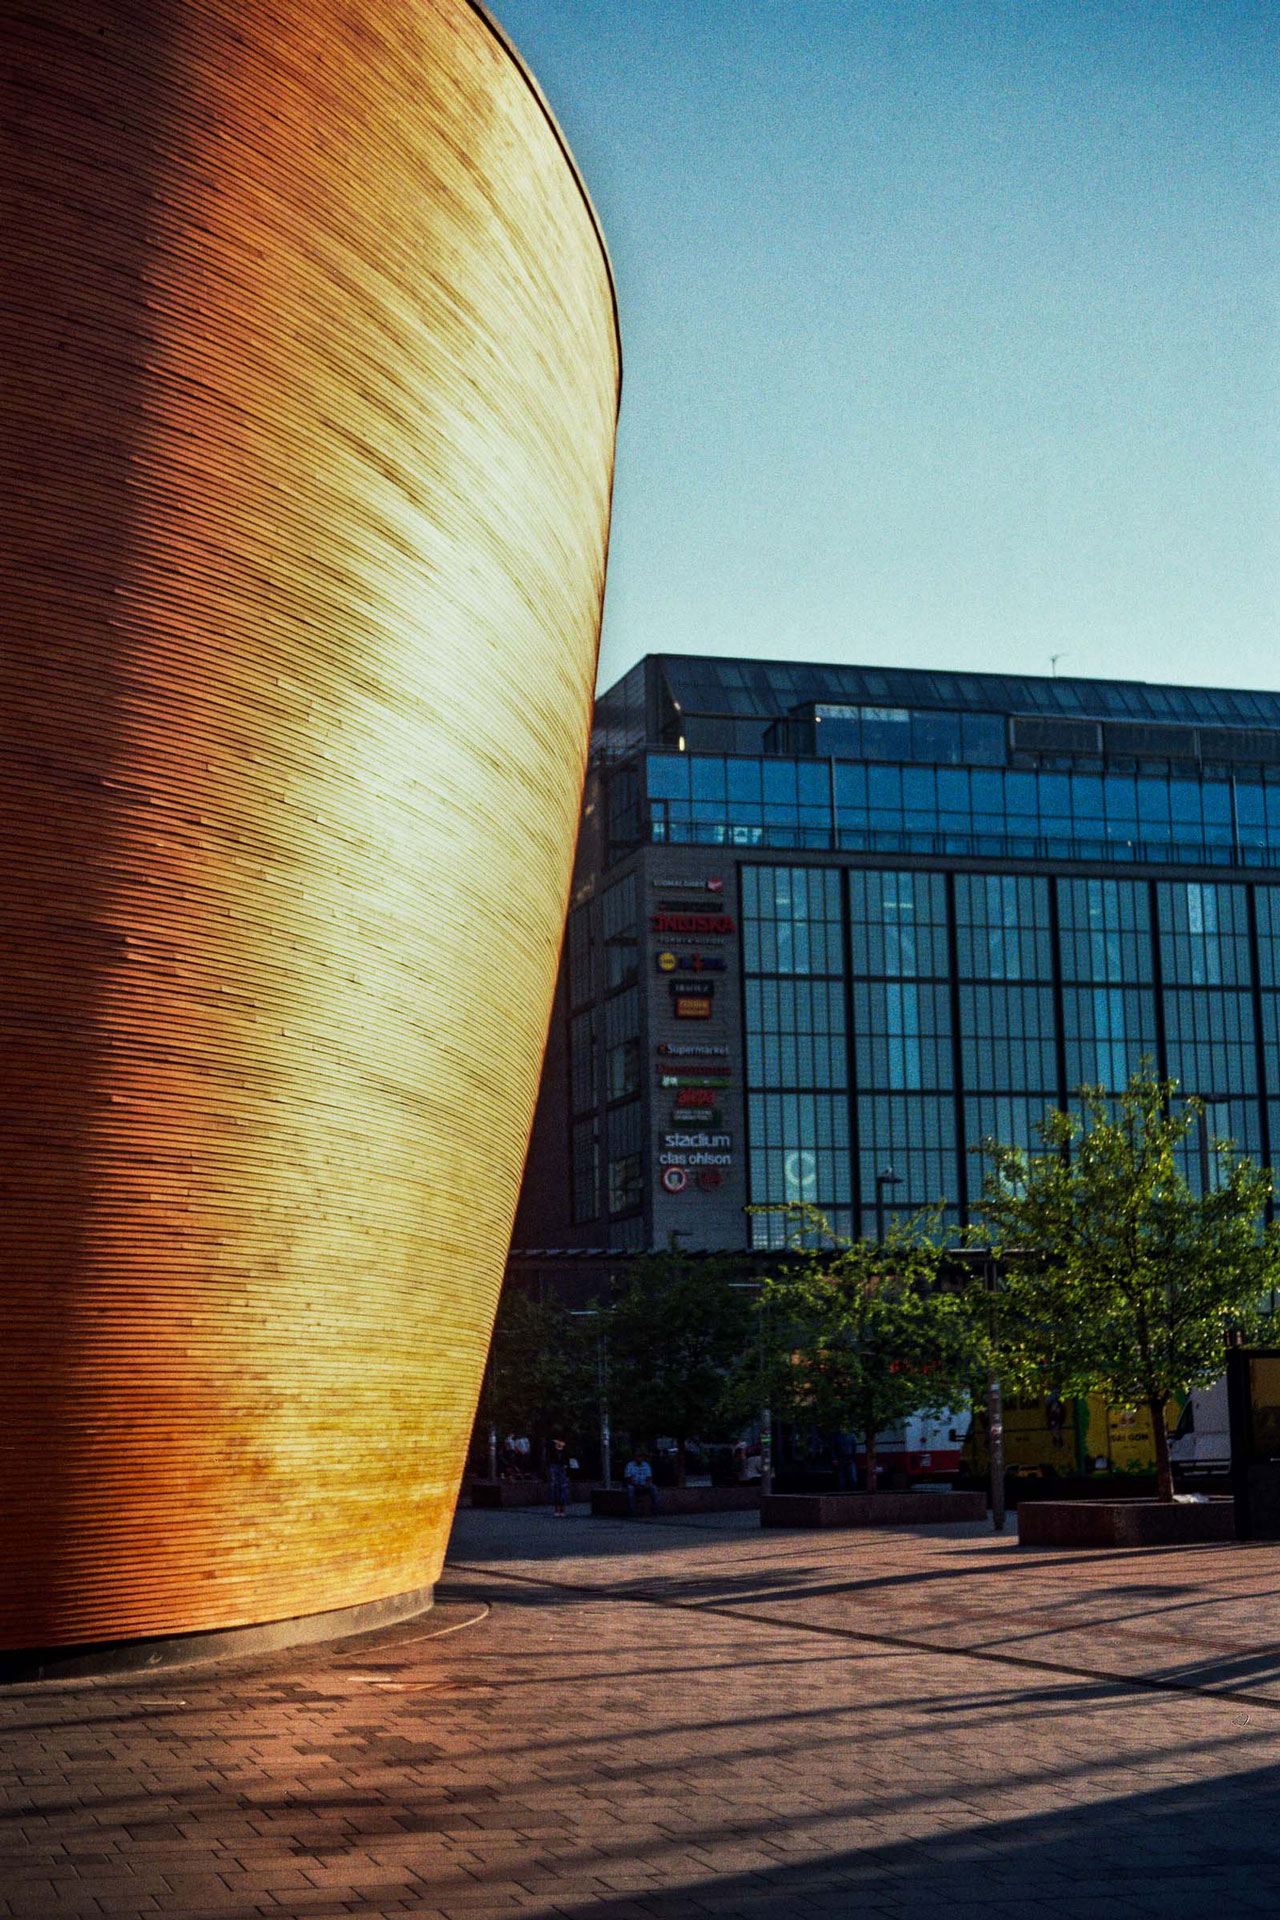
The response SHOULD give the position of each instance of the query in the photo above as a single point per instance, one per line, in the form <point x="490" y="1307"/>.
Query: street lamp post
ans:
<point x="995" y="1399"/>
<point x="766" y="1428"/>
<point x="602" y="1373"/>
<point x="995" y="1410"/>
<point x="766" y="1412"/>
<point x="888" y="1178"/>
<point x="602" y="1385"/>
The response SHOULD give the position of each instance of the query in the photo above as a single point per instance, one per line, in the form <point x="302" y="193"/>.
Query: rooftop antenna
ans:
<point x="1053" y="662"/>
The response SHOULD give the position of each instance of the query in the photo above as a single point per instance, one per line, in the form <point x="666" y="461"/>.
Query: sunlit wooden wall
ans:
<point x="310" y="377"/>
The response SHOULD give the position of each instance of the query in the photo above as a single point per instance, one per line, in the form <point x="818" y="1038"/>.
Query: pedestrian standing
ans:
<point x="558" y="1472"/>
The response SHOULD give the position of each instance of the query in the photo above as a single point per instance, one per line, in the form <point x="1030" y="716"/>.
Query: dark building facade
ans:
<point x="834" y="922"/>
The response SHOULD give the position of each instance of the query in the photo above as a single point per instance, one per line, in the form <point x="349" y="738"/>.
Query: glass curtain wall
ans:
<point x="619" y="928"/>
<point x="606" y="1174"/>
<point x="626" y="1163"/>
<point x="902" y="1042"/>
<point x="1008" y="1041"/>
<point x="1108" y="992"/>
<point x="954" y="1031"/>
<point x="718" y="800"/>
<point x="1267" y="907"/>
<point x="796" y="1050"/>
<point x="1208" y="1007"/>
<point x="584" y="1044"/>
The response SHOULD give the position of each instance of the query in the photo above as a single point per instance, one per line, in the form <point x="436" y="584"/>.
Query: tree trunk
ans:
<point x="1160" y="1433"/>
<point x="680" y="1464"/>
<point x="1155" y="1406"/>
<point x="871" y="1459"/>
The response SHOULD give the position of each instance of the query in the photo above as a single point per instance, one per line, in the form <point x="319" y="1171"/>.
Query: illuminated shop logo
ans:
<point x="669" y="885"/>
<point x="672" y="1049"/>
<point x="694" y="962"/>
<point x="700" y="1080"/>
<point x="676" y="1180"/>
<point x="696" y="1097"/>
<point x="691" y="923"/>
<point x="689" y="1009"/>
<point x="800" y="1171"/>
<point x="709" y="1142"/>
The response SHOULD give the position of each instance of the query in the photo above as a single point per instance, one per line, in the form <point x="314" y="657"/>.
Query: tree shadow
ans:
<point x="1176" y="1852"/>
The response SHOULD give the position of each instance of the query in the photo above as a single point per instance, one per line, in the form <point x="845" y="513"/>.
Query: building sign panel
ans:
<point x="714" y="923"/>
<point x="695" y="962"/>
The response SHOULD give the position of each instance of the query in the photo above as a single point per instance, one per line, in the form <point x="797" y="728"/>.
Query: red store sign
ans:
<point x="691" y="922"/>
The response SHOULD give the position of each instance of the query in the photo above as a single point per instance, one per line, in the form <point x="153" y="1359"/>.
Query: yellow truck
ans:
<point x="1087" y="1435"/>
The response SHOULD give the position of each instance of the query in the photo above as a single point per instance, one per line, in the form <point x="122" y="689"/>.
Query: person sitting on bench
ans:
<point x="638" y="1475"/>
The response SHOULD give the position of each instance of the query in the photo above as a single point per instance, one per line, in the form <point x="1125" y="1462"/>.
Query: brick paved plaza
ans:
<point x="692" y="1717"/>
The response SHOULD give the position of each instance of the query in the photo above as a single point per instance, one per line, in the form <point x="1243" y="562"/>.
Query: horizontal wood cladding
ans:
<point x="311" y="376"/>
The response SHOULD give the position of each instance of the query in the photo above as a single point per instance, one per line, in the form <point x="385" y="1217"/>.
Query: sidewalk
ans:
<point x="1175" y="1617"/>
<point x="689" y="1717"/>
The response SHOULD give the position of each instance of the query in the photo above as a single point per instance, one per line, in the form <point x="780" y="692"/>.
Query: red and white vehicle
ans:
<point x="924" y="1446"/>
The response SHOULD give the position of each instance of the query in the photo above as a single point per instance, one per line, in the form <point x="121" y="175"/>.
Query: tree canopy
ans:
<point x="542" y="1371"/>
<point x="1117" y="1275"/>
<point x="675" y="1328"/>
<point x="860" y="1334"/>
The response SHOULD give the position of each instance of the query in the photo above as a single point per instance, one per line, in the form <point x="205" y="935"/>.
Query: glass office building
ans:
<point x="835" y="923"/>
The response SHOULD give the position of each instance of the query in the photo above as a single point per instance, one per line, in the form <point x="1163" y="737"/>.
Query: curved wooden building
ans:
<point x="310" y="383"/>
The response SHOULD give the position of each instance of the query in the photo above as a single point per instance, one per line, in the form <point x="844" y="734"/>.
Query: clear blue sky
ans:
<point x="950" y="329"/>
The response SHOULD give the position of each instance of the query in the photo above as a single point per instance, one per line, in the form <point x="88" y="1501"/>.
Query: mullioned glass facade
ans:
<point x="722" y="800"/>
<point x="979" y="1000"/>
<point x="958" y="899"/>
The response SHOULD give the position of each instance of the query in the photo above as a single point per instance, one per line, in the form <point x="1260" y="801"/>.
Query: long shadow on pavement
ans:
<point x="1178" y="1853"/>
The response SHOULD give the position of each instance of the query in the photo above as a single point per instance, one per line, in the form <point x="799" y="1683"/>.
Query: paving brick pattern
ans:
<point x="693" y="1718"/>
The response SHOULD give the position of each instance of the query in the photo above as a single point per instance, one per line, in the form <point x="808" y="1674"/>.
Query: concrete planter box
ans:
<point x="1124" y="1523"/>
<point x="611" y="1502"/>
<point x="870" y="1509"/>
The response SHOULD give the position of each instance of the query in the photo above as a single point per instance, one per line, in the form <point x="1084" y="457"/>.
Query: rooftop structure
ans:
<point x="737" y="706"/>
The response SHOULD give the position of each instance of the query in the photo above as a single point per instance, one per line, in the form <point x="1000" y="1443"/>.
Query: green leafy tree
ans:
<point x="675" y="1329"/>
<point x="542" y="1371"/>
<point x="1117" y="1276"/>
<point x="861" y="1334"/>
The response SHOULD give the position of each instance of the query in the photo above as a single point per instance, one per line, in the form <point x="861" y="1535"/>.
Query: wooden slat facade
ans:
<point x="310" y="379"/>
